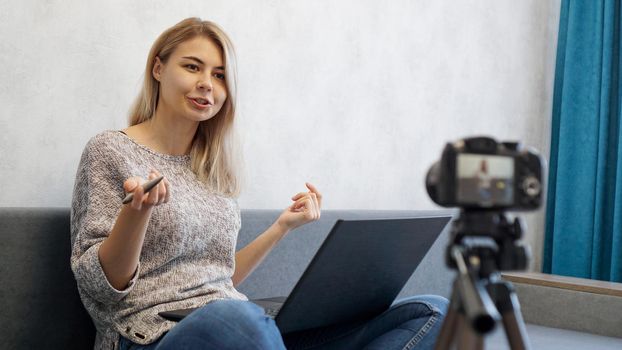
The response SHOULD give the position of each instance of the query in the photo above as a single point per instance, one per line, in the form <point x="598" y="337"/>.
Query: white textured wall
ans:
<point x="358" y="97"/>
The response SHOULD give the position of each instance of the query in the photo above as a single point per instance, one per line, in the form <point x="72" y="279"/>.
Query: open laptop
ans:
<point x="355" y="275"/>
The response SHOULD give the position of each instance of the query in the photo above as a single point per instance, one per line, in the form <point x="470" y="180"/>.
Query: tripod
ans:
<point x="483" y="243"/>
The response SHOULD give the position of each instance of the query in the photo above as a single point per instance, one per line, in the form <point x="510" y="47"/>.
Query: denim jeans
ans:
<point x="410" y="323"/>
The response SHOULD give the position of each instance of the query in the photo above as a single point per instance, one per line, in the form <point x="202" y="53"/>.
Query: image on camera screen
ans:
<point x="485" y="180"/>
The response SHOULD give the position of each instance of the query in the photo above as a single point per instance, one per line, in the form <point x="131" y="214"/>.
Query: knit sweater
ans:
<point x="188" y="254"/>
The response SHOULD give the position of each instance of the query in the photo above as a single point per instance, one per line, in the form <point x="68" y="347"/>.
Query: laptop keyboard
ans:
<point x="272" y="312"/>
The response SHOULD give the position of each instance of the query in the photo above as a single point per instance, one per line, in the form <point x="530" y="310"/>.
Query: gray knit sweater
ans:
<point x="188" y="255"/>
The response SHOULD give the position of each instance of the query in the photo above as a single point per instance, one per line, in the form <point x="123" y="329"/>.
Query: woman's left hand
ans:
<point x="307" y="207"/>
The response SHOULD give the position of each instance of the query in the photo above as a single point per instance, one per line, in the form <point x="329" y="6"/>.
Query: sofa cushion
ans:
<point x="41" y="308"/>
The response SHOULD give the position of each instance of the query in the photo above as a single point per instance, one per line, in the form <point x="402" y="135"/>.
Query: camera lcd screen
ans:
<point x="485" y="180"/>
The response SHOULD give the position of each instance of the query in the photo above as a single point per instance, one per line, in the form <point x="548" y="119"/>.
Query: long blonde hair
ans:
<point x="214" y="154"/>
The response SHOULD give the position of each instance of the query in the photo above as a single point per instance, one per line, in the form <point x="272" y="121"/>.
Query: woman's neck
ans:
<point x="167" y="136"/>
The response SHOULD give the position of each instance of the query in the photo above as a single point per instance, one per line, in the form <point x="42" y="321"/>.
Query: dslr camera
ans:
<point x="478" y="173"/>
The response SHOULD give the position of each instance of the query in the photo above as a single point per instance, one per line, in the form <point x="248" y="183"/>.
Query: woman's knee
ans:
<point x="229" y="309"/>
<point x="242" y="315"/>
<point x="435" y="303"/>
<point x="232" y="323"/>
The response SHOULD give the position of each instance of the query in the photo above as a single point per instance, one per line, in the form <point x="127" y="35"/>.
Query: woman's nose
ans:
<point x="205" y="84"/>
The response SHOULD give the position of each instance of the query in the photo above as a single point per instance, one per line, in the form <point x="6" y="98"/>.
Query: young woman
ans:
<point x="174" y="247"/>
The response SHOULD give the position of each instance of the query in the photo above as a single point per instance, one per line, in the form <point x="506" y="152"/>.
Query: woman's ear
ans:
<point x="157" y="69"/>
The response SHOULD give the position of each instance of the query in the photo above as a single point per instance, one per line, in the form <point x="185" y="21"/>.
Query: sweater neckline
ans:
<point x="178" y="158"/>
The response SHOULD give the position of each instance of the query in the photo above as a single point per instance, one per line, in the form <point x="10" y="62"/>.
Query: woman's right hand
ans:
<point x="119" y="254"/>
<point x="158" y="195"/>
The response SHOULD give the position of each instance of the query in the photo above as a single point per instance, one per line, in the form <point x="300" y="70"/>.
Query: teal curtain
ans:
<point x="584" y="205"/>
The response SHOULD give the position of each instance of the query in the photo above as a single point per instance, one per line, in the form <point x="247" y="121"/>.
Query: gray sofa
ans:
<point x="40" y="307"/>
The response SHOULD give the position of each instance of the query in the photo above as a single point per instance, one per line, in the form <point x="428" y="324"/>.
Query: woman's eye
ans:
<point x="192" y="67"/>
<point x="220" y="76"/>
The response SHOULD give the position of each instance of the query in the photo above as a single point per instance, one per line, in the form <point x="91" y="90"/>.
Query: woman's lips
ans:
<point x="198" y="105"/>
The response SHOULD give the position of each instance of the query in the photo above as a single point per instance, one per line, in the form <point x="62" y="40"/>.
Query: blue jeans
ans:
<point x="410" y="323"/>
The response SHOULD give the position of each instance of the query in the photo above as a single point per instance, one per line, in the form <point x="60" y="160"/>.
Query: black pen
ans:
<point x="147" y="186"/>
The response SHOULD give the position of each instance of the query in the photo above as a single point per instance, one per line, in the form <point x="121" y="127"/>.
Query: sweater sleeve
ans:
<point x="95" y="206"/>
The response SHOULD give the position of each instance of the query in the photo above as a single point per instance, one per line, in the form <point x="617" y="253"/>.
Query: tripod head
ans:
<point x="488" y="241"/>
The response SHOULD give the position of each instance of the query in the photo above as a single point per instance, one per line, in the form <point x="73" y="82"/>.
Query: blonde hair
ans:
<point x="214" y="153"/>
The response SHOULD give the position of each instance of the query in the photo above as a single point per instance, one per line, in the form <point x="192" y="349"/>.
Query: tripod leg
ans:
<point x="515" y="331"/>
<point x="455" y="327"/>
<point x="509" y="307"/>
<point x="448" y="330"/>
<point x="468" y="339"/>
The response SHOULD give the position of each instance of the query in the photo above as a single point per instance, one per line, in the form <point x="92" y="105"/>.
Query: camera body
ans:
<point x="480" y="173"/>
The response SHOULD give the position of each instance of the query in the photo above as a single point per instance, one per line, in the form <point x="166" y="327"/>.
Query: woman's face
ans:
<point x="192" y="82"/>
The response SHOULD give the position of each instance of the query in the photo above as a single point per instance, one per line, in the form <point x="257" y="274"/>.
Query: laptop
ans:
<point x="356" y="274"/>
